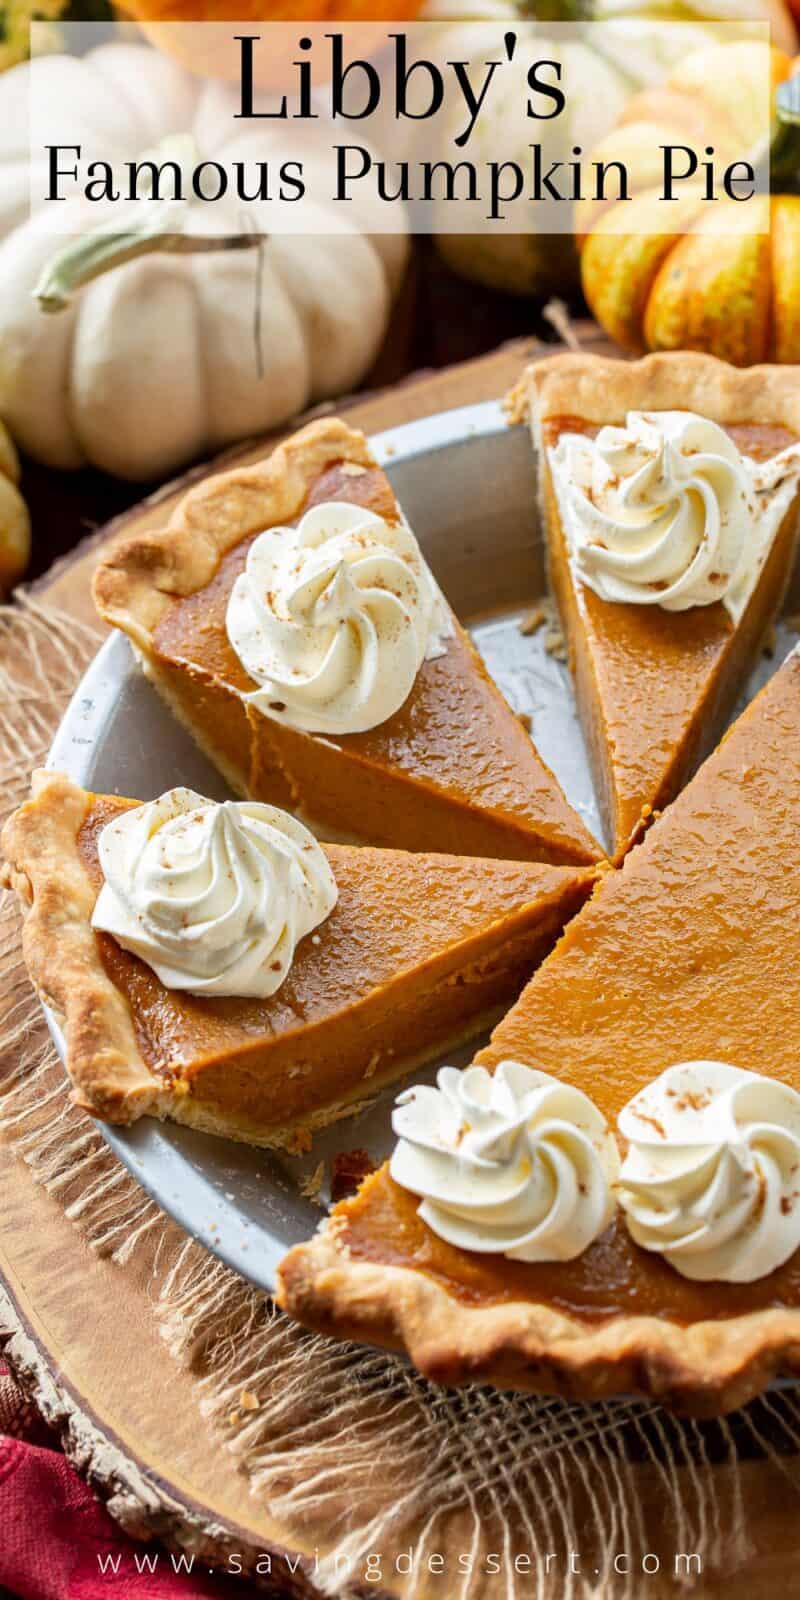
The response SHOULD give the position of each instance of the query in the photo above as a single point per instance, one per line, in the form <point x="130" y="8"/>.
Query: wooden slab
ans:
<point x="81" y="1333"/>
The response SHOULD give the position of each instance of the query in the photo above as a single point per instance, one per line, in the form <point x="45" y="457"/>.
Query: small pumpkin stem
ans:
<point x="95" y="253"/>
<point x="784" y="153"/>
<point x="158" y="230"/>
<point x="555" y="10"/>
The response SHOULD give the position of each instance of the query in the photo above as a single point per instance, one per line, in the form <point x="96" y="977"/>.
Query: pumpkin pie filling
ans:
<point x="425" y="949"/>
<point x="758" y="440"/>
<point x="645" y="646"/>
<point x="654" y="685"/>
<point x="452" y="768"/>
<point x="688" y="952"/>
<point x="613" y="1278"/>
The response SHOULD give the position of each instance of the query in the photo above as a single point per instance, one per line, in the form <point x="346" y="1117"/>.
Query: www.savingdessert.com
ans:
<point x="377" y="1567"/>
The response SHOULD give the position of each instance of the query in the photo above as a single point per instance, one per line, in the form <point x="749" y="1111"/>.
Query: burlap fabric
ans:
<point x="469" y="1493"/>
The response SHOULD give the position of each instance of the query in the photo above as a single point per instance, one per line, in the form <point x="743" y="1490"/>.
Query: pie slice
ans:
<point x="418" y="953"/>
<point x="450" y="768"/>
<point x="690" y="952"/>
<point x="644" y="517"/>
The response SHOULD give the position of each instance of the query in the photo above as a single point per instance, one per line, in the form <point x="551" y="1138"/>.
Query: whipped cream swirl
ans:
<point x="213" y="897"/>
<point x="711" y="1180"/>
<point x="666" y="511"/>
<point x="514" y="1162"/>
<point x="333" y="619"/>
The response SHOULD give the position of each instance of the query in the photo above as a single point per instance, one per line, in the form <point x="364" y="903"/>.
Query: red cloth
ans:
<point x="55" y="1537"/>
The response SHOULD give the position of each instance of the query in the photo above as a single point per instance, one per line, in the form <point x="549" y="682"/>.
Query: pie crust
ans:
<point x="654" y="687"/>
<point x="43" y="867"/>
<point x="704" y="1369"/>
<point x="602" y="389"/>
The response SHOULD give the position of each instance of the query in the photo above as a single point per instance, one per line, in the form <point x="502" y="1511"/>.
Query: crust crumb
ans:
<point x="532" y="620"/>
<point x="554" y="644"/>
<point x="544" y="615"/>
<point x="310" y="1187"/>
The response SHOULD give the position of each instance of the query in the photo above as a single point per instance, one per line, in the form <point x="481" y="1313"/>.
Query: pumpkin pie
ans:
<point x="670" y="540"/>
<point x="370" y="713"/>
<point x="417" y="953"/>
<point x="688" y="953"/>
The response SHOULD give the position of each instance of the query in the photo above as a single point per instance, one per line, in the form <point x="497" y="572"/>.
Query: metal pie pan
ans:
<point x="467" y="484"/>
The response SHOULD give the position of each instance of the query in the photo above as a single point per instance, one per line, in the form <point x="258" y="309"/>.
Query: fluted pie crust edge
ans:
<point x="600" y="389"/>
<point x="703" y="1369"/>
<point x="110" y="1077"/>
<point x="142" y="574"/>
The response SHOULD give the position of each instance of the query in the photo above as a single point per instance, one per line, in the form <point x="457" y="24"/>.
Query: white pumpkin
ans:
<point x="168" y="357"/>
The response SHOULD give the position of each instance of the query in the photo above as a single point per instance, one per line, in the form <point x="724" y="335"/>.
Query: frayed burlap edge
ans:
<point x="350" y="1445"/>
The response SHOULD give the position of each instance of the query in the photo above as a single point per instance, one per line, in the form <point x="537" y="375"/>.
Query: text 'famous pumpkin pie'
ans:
<point x="288" y="616"/>
<point x="215" y="964"/>
<point x="669" y="489"/>
<point x="608" y="1200"/>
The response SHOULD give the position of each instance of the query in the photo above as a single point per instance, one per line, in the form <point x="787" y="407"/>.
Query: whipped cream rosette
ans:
<point x="514" y="1162"/>
<point x="333" y="619"/>
<point x="711" y="1180"/>
<point x="213" y="897"/>
<point x="667" y="511"/>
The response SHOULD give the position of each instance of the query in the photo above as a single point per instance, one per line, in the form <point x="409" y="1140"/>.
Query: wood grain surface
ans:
<point x="81" y="1333"/>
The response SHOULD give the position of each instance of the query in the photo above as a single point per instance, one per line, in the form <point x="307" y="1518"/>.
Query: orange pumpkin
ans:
<point x="721" y="285"/>
<point x="214" y="53"/>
